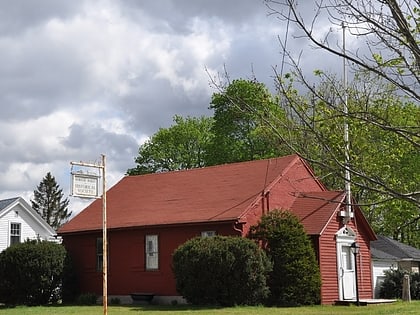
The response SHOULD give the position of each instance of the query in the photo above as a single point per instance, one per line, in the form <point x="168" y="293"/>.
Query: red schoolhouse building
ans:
<point x="149" y="216"/>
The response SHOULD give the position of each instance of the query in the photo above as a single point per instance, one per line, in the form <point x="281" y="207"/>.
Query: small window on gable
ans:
<point x="208" y="233"/>
<point x="152" y="252"/>
<point x="15" y="232"/>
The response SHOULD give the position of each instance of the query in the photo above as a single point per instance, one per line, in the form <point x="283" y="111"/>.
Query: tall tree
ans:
<point x="181" y="146"/>
<point x="385" y="167"/>
<point x="384" y="121"/>
<point x="49" y="203"/>
<point x="389" y="54"/>
<point x="385" y="164"/>
<point x="243" y="111"/>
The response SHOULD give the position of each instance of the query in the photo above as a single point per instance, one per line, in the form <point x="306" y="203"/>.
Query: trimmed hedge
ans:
<point x="221" y="270"/>
<point x="31" y="273"/>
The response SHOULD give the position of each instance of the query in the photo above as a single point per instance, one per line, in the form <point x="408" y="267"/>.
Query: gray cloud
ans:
<point x="91" y="139"/>
<point x="84" y="78"/>
<point x="18" y="16"/>
<point x="176" y="15"/>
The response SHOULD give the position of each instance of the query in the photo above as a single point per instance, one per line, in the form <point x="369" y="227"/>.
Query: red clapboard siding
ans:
<point x="328" y="262"/>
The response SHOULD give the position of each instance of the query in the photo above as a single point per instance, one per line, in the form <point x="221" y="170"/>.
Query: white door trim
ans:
<point x="345" y="264"/>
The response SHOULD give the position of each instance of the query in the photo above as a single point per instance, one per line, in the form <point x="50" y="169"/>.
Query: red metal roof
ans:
<point x="218" y="193"/>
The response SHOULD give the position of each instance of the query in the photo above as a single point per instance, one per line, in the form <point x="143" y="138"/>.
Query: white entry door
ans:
<point x="348" y="279"/>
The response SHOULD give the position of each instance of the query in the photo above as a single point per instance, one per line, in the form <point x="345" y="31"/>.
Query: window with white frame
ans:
<point x="15" y="232"/>
<point x="100" y="254"/>
<point x="152" y="252"/>
<point x="208" y="233"/>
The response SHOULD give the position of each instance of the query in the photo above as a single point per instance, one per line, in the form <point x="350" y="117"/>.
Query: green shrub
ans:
<point x="31" y="273"/>
<point x="87" y="299"/>
<point x="391" y="287"/>
<point x="70" y="284"/>
<point x="221" y="270"/>
<point x="415" y="286"/>
<point x="115" y="301"/>
<point x="295" y="278"/>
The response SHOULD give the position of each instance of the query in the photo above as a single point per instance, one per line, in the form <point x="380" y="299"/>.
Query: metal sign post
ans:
<point x="104" y="241"/>
<point x="85" y="185"/>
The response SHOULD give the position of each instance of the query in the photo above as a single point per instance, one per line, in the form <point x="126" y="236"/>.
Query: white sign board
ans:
<point x="85" y="186"/>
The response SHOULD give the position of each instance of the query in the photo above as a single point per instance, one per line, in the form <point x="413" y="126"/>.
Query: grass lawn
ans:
<point x="384" y="309"/>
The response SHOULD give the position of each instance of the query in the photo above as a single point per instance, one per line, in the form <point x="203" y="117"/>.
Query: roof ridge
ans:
<point x="214" y="166"/>
<point x="266" y="187"/>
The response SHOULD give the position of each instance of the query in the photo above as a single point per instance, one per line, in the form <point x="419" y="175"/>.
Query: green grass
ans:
<point x="383" y="309"/>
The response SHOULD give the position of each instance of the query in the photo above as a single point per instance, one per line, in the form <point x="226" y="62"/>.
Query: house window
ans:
<point x="152" y="252"/>
<point x="15" y="233"/>
<point x="347" y="258"/>
<point x="100" y="254"/>
<point x="208" y="233"/>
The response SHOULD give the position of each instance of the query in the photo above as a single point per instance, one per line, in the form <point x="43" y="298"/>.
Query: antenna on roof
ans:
<point x="348" y="213"/>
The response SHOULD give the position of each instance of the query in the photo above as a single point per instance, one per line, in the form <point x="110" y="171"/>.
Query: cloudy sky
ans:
<point x="83" y="78"/>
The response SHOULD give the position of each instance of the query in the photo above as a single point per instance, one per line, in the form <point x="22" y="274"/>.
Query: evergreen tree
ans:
<point x="295" y="279"/>
<point x="49" y="203"/>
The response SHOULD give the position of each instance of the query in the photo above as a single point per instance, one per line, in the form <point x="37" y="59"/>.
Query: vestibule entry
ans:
<point x="345" y="237"/>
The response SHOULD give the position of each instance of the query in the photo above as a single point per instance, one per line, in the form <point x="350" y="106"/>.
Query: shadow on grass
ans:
<point x="4" y="306"/>
<point x="170" y="308"/>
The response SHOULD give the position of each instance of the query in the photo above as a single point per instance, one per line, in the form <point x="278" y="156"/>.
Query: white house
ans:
<point x="19" y="222"/>
<point x="387" y="254"/>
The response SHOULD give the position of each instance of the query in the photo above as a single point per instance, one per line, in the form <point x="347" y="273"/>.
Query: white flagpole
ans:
<point x="104" y="240"/>
<point x="346" y="134"/>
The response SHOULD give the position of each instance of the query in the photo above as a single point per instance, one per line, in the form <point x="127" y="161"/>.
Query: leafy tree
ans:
<point x="385" y="166"/>
<point x="383" y="104"/>
<point x="388" y="55"/>
<point x="243" y="111"/>
<point x="295" y="279"/>
<point x="181" y="146"/>
<point x="49" y="203"/>
<point x="221" y="270"/>
<point x="31" y="273"/>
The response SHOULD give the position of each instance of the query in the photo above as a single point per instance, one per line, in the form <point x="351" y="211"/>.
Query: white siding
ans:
<point x="379" y="268"/>
<point x="4" y="233"/>
<point x="30" y="228"/>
